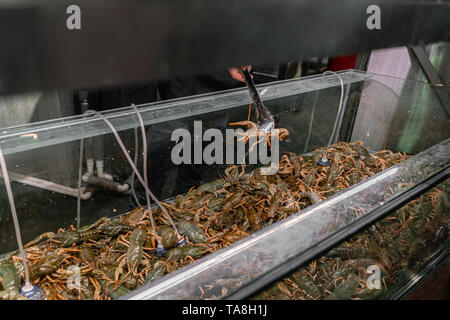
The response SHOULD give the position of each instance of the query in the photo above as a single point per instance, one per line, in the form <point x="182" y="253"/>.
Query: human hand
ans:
<point x="236" y="74"/>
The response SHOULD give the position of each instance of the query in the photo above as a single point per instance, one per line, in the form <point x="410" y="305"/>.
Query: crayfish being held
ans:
<point x="254" y="134"/>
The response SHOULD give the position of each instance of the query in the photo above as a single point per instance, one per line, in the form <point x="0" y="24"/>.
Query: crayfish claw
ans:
<point x="324" y="162"/>
<point x="182" y="242"/>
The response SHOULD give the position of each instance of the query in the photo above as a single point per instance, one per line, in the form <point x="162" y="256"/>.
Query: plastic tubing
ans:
<point x="80" y="173"/>
<point x="144" y="161"/>
<point x="339" y="110"/>
<point x="14" y="215"/>
<point x="136" y="152"/>
<point x="311" y="122"/>
<point x="138" y="175"/>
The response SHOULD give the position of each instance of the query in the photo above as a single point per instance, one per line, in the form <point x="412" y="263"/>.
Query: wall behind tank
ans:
<point x="392" y="125"/>
<point x="34" y="107"/>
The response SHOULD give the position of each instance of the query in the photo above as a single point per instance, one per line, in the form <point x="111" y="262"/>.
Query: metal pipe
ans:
<point x="48" y="185"/>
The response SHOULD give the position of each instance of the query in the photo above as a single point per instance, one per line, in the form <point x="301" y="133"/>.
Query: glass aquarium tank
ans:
<point x="358" y="209"/>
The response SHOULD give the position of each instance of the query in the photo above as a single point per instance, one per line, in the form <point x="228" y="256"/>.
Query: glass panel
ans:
<point x="383" y="112"/>
<point x="52" y="132"/>
<point x="381" y="262"/>
<point x="241" y="263"/>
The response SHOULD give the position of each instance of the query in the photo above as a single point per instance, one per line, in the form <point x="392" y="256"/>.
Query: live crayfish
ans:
<point x="9" y="281"/>
<point x="116" y="256"/>
<point x="135" y="251"/>
<point x="395" y="245"/>
<point x="132" y="258"/>
<point x="192" y="231"/>
<point x="258" y="135"/>
<point x="188" y="251"/>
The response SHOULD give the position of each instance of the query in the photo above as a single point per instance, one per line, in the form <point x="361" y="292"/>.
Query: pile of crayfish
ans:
<point x="398" y="246"/>
<point x="111" y="257"/>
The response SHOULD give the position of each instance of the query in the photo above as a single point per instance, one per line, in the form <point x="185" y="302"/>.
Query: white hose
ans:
<point x="80" y="173"/>
<point x="144" y="163"/>
<point x="136" y="152"/>
<point x="144" y="142"/>
<point x="314" y="108"/>
<point x="138" y="175"/>
<point x="14" y="215"/>
<point x="311" y="122"/>
<point x="339" y="110"/>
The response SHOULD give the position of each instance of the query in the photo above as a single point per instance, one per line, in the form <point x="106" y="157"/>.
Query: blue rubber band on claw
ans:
<point x="160" y="250"/>
<point x="182" y="242"/>
<point x="324" y="162"/>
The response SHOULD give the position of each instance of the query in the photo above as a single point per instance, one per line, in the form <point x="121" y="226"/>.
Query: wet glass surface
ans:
<point x="399" y="115"/>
